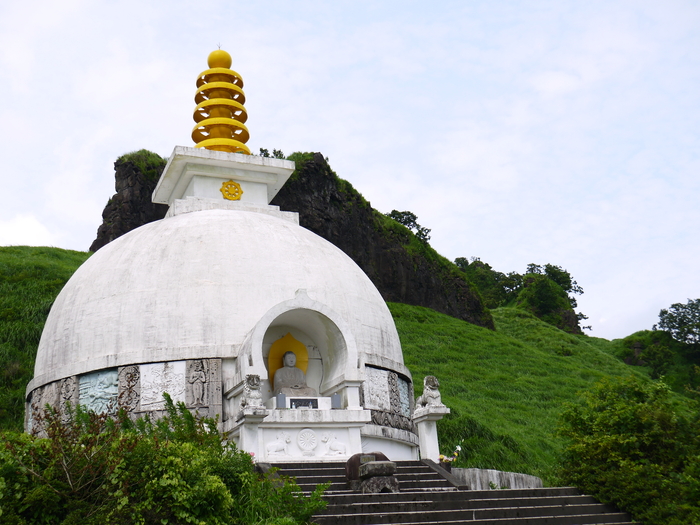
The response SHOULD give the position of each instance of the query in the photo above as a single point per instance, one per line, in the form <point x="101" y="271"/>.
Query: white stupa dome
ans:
<point x="194" y="286"/>
<point x="204" y="304"/>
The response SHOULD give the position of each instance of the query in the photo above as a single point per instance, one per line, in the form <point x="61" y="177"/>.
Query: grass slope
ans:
<point x="506" y="388"/>
<point x="30" y="279"/>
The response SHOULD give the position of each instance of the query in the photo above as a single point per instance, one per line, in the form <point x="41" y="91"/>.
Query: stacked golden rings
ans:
<point x="220" y="115"/>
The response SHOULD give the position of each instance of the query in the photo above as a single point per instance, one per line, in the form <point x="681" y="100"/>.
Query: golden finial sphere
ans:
<point x="219" y="58"/>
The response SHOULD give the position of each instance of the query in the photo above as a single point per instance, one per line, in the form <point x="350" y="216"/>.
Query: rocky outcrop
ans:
<point x="400" y="266"/>
<point x="404" y="269"/>
<point x="131" y="206"/>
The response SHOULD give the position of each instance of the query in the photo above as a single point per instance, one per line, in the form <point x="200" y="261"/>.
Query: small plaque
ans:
<point x="367" y="458"/>
<point x="303" y="403"/>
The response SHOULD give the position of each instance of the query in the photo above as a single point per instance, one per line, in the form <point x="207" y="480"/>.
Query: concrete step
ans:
<point x="323" y="477"/>
<point x="447" y="500"/>
<point x="411" y="475"/>
<point x="522" y="493"/>
<point x="407" y="485"/>
<point x="425" y="497"/>
<point x="406" y="482"/>
<point x="443" y="517"/>
<point x="347" y="496"/>
<point x="571" y="520"/>
<point x="458" y="505"/>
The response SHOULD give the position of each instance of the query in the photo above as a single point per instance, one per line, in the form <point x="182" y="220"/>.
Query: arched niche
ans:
<point x="329" y="342"/>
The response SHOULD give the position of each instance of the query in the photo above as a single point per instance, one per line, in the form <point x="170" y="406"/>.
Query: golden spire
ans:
<point x="220" y="115"/>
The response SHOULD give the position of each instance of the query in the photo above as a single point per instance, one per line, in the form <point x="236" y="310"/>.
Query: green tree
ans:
<point x="682" y="321"/>
<point x="560" y="276"/>
<point x="410" y="220"/>
<point x="496" y="288"/>
<point x="548" y="291"/>
<point x="658" y="357"/>
<point x="630" y="446"/>
<point x="547" y="300"/>
<point x="276" y="153"/>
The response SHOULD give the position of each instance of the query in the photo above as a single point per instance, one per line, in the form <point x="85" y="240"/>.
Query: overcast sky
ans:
<point x="563" y="132"/>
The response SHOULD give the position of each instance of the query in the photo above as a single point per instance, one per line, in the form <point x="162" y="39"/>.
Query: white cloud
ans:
<point x="556" y="82"/>
<point x="26" y="230"/>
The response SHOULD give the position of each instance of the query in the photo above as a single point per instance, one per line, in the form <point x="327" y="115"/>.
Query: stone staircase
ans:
<point x="429" y="495"/>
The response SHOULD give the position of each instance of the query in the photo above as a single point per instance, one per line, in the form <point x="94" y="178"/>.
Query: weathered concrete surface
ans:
<point x="480" y="479"/>
<point x="379" y="484"/>
<point x="377" y="468"/>
<point x="352" y="465"/>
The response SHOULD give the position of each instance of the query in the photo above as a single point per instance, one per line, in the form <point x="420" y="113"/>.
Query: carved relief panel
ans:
<point x="69" y="395"/>
<point x="197" y="383"/>
<point x="376" y="389"/>
<point x="98" y="391"/>
<point x="129" y="387"/>
<point x="203" y="390"/>
<point x="157" y="378"/>
<point x="305" y="443"/>
<point x="388" y="396"/>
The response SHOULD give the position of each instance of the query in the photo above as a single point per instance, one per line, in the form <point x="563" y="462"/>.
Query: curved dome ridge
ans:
<point x="194" y="285"/>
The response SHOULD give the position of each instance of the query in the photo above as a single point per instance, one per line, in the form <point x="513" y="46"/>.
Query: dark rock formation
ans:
<point x="400" y="266"/>
<point x="131" y="206"/>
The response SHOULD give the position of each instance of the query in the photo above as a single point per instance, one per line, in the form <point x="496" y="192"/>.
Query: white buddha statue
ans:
<point x="290" y="380"/>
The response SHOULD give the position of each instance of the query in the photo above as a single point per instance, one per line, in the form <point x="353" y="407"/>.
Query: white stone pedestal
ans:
<point x="246" y="434"/>
<point x="300" y="435"/>
<point x="425" y="420"/>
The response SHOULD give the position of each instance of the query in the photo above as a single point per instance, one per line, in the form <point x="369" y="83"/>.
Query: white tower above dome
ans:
<point x="201" y="173"/>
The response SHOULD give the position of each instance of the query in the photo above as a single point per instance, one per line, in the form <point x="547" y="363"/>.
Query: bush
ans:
<point x="95" y="470"/>
<point x="547" y="300"/>
<point x="630" y="446"/>
<point x="148" y="163"/>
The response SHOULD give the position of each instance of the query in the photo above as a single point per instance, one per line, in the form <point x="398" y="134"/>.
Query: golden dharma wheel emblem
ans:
<point x="231" y="190"/>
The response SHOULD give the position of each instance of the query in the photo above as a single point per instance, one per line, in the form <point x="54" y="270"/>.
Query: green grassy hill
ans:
<point x="30" y="279"/>
<point x="506" y="388"/>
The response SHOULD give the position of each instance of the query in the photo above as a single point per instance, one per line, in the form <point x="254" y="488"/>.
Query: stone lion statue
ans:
<point x="252" y="396"/>
<point x="431" y="394"/>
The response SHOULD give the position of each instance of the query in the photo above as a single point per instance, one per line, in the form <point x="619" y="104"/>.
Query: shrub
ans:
<point x="148" y="163"/>
<point x="630" y="446"/>
<point x="94" y="470"/>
